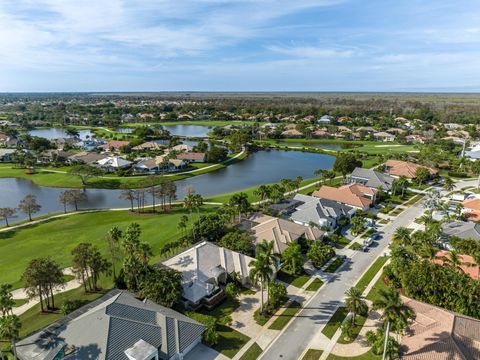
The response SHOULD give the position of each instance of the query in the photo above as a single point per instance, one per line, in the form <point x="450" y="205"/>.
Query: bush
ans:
<point x="71" y="305"/>
<point x="231" y="290"/>
<point x="457" y="174"/>
<point x="319" y="254"/>
<point x="210" y="335"/>
<point x="277" y="293"/>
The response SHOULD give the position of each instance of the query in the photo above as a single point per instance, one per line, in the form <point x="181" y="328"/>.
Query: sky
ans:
<point x="239" y="45"/>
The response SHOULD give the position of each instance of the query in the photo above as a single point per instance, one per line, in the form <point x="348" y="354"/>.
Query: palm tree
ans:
<point x="322" y="173"/>
<point x="394" y="312"/>
<point x="448" y="184"/>
<point x="6" y="299"/>
<point x="113" y="237"/>
<point x="263" y="192"/>
<point x="260" y="272"/>
<point x="292" y="258"/>
<point x="355" y="303"/>
<point x="403" y="183"/>
<point x="402" y="236"/>
<point x="9" y="329"/>
<point x="454" y="259"/>
<point x="240" y="203"/>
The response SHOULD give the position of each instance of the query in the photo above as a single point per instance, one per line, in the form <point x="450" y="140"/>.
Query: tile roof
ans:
<point x="352" y="194"/>
<point x="107" y="327"/>
<point x="372" y="178"/>
<point x="438" y="334"/>
<point x="149" y="145"/>
<point x="470" y="268"/>
<point x="405" y="168"/>
<point x="116" y="144"/>
<point x="191" y="156"/>
<point x="471" y="208"/>
<point x="280" y="231"/>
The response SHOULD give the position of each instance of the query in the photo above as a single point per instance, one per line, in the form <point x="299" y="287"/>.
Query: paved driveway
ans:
<point x="316" y="313"/>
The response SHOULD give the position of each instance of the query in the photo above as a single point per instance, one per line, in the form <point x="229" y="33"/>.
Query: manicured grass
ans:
<point x="397" y="211"/>
<point x="383" y="221"/>
<point x="359" y="322"/>
<point x="367" y="356"/>
<point x="223" y="311"/>
<point x="334" y="265"/>
<point x="282" y="320"/>
<point x="355" y="246"/>
<point x="335" y="321"/>
<point x="373" y="294"/>
<point x="20" y="302"/>
<point x="295" y="280"/>
<point x="315" y="285"/>
<point x="57" y="237"/>
<point x="230" y="341"/>
<point x="312" y="354"/>
<point x="368" y="233"/>
<point x="252" y="353"/>
<point x="370" y="273"/>
<point x="414" y="199"/>
<point x="341" y="241"/>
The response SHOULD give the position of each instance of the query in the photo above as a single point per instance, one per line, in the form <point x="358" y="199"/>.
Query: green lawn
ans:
<point x="359" y="322"/>
<point x="334" y="265"/>
<point x="335" y="321"/>
<point x="355" y="246"/>
<point x="367" y="356"/>
<point x="282" y="320"/>
<point x="373" y="294"/>
<point x="295" y="280"/>
<point x="252" y="353"/>
<point x="370" y="273"/>
<point x="230" y="341"/>
<point x="20" y="302"/>
<point x="383" y="222"/>
<point x="312" y="354"/>
<point x="57" y="237"/>
<point x="315" y="285"/>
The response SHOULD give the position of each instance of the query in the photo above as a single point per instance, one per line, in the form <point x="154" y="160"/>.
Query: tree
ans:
<point x="150" y="183"/>
<point x="163" y="286"/>
<point x="355" y="303"/>
<point x="277" y="294"/>
<point x="7" y="212"/>
<point x="238" y="241"/>
<point x="72" y="197"/>
<point x="422" y="174"/>
<point x="97" y="265"/>
<point x="277" y="192"/>
<point x="448" y="183"/>
<point x="358" y="225"/>
<point x="6" y="299"/>
<point x="10" y="329"/>
<point x="292" y="258"/>
<point x="63" y="199"/>
<point x="182" y="224"/>
<point x="29" y="205"/>
<point x="113" y="237"/>
<point x="345" y="163"/>
<point x="72" y="132"/>
<point x="402" y="236"/>
<point x="80" y="263"/>
<point x="128" y="194"/>
<point x="217" y="154"/>
<point x="394" y="312"/>
<point x="240" y="203"/>
<point x="85" y="172"/>
<point x="319" y="253"/>
<point x="261" y="269"/>
<point x="263" y="192"/>
<point x="191" y="202"/>
<point x="210" y="335"/>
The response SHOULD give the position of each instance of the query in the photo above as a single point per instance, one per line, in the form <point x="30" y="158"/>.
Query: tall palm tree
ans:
<point x="403" y="184"/>
<point x="402" y="236"/>
<point x="260" y="272"/>
<point x="6" y="299"/>
<point x="265" y="250"/>
<point x="9" y="329"/>
<point x="394" y="312"/>
<point x="454" y="259"/>
<point x="113" y="237"/>
<point x="355" y="302"/>
<point x="448" y="184"/>
<point x="263" y="192"/>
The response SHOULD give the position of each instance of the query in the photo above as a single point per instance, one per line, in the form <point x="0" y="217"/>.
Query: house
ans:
<point x="320" y="134"/>
<point x="88" y="158"/>
<point x="149" y="145"/>
<point x="321" y="212"/>
<point x="383" y="136"/>
<point x="205" y="268"/>
<point x="90" y="144"/>
<point x="415" y="139"/>
<point x="52" y="155"/>
<point x="439" y="334"/>
<point x="325" y="120"/>
<point x="62" y="143"/>
<point x="396" y="131"/>
<point x="4" y="138"/>
<point x="471" y="209"/>
<point x="192" y="156"/>
<point x="181" y="148"/>
<point x="147" y="166"/>
<point x="114" y="163"/>
<point x="115" y="145"/>
<point x="292" y="134"/>
<point x="461" y="229"/>
<point x="397" y="168"/>
<point x="280" y="231"/>
<point x="6" y="155"/>
<point x="371" y="178"/>
<point x="159" y="163"/>
<point x="366" y="129"/>
<point x="117" y="326"/>
<point x="468" y="264"/>
<point x="284" y="206"/>
<point x="355" y="195"/>
<point x="290" y="127"/>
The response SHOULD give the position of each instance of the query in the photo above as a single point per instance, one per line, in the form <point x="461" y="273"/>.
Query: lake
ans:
<point x="56" y="133"/>
<point x="188" y="130"/>
<point x="259" y="168"/>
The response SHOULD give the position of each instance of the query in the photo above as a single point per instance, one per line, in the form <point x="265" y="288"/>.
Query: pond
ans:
<point x="259" y="168"/>
<point x="56" y="133"/>
<point x="188" y="130"/>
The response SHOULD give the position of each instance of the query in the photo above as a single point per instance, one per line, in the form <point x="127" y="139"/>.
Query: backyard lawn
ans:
<point x="57" y="237"/>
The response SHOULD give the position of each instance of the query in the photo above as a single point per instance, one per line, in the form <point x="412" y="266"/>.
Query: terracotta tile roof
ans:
<point x="191" y="156"/>
<point x="438" y="334"/>
<point x="470" y="268"/>
<point x="292" y="132"/>
<point x="471" y="209"/>
<point x="352" y="194"/>
<point x="116" y="144"/>
<point x="405" y="168"/>
<point x="149" y="145"/>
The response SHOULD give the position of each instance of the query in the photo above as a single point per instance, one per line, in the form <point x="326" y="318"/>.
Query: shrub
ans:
<point x="210" y="335"/>
<point x="277" y="293"/>
<point x="71" y="305"/>
<point x="319" y="254"/>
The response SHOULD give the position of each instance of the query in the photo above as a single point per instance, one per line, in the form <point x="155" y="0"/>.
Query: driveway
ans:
<point x="203" y="352"/>
<point x="316" y="313"/>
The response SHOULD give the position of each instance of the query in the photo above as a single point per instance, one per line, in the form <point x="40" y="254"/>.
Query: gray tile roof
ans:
<point x="319" y="210"/>
<point x="462" y="229"/>
<point x="371" y="178"/>
<point x="107" y="327"/>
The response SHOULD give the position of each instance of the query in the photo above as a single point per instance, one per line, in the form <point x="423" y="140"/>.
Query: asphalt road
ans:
<point x="312" y="318"/>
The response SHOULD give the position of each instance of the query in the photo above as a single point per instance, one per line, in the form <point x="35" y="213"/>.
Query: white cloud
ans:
<point x="311" y="52"/>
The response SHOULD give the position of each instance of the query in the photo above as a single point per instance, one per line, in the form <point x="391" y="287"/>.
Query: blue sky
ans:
<point x="239" y="45"/>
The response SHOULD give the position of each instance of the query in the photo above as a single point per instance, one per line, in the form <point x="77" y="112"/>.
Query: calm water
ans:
<point x="188" y="130"/>
<point x="55" y="133"/>
<point x="259" y="168"/>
